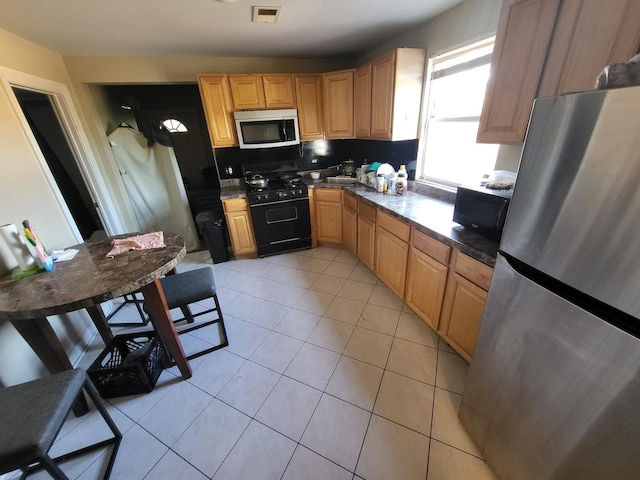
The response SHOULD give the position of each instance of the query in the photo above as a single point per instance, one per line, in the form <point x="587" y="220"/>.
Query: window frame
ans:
<point x="448" y="53"/>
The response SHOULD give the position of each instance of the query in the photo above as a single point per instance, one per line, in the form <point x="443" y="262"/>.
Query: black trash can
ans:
<point x="212" y="228"/>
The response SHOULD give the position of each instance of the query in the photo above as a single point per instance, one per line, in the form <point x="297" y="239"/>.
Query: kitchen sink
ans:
<point x="340" y="179"/>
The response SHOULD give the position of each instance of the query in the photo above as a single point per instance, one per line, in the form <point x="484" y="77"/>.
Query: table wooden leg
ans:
<point x="100" y="321"/>
<point x="46" y="345"/>
<point x="163" y="323"/>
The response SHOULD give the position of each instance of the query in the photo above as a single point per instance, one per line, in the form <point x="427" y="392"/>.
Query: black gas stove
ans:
<point x="278" y="190"/>
<point x="280" y="209"/>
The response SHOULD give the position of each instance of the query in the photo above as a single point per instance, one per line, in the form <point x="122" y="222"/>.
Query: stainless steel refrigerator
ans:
<point x="553" y="390"/>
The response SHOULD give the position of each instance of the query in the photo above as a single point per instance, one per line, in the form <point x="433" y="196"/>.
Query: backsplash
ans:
<point x="327" y="152"/>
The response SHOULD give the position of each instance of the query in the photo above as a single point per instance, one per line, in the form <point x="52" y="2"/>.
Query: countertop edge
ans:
<point x="410" y="208"/>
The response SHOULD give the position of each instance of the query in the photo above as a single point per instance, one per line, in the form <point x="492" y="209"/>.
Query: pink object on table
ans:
<point x="137" y="242"/>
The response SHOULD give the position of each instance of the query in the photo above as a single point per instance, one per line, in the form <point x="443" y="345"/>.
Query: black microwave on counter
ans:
<point x="483" y="209"/>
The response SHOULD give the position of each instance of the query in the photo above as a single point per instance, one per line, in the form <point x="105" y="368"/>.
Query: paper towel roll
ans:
<point x="17" y="246"/>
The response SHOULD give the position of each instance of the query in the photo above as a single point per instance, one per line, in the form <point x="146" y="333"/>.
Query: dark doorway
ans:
<point x="52" y="140"/>
<point x="152" y="105"/>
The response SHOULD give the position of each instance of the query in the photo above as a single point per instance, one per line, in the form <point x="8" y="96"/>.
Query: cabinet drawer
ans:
<point x="473" y="270"/>
<point x="235" y="205"/>
<point x="367" y="210"/>
<point x="350" y="201"/>
<point x="395" y="226"/>
<point x="328" y="195"/>
<point x="432" y="247"/>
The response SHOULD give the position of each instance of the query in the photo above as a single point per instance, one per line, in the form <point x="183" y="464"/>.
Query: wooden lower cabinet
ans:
<point x="350" y="229"/>
<point x="329" y="224"/>
<point x="392" y="253"/>
<point x="366" y="233"/>
<point x="238" y="218"/>
<point x="366" y="241"/>
<point x="426" y="280"/>
<point x="328" y="212"/>
<point x="465" y="296"/>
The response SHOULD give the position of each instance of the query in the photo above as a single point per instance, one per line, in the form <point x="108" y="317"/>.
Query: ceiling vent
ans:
<point x="266" y="14"/>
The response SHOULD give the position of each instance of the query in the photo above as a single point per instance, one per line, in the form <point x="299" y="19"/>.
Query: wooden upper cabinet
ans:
<point x="397" y="79"/>
<point x="279" y="91"/>
<point x="338" y="104"/>
<point x="218" y="109"/>
<point x="362" y="100"/>
<point x="550" y="47"/>
<point x="247" y="92"/>
<point x="308" y="90"/>
<point x="524" y="31"/>
<point x="383" y="81"/>
<point x="589" y="34"/>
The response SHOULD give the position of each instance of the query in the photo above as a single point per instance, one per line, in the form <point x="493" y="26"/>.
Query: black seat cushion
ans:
<point x="31" y="415"/>
<point x="188" y="287"/>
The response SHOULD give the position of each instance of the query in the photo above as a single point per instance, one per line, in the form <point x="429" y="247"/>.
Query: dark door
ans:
<point x="188" y="144"/>
<point x="45" y="126"/>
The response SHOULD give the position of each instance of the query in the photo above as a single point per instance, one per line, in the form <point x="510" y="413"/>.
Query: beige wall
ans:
<point x="185" y="69"/>
<point x="468" y="21"/>
<point x="88" y="73"/>
<point x="25" y="193"/>
<point x="20" y="166"/>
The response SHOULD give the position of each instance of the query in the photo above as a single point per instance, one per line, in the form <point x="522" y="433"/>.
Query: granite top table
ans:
<point x="87" y="280"/>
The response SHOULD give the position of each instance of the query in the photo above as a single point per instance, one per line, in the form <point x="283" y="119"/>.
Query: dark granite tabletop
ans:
<point x="429" y="215"/>
<point x="88" y="279"/>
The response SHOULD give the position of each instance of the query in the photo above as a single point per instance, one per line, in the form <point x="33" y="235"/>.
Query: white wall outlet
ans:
<point x="314" y="160"/>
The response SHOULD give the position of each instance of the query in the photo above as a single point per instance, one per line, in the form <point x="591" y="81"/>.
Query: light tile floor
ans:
<point x="328" y="375"/>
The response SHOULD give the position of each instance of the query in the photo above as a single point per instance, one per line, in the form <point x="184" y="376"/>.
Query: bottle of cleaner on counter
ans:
<point x="391" y="184"/>
<point x="401" y="182"/>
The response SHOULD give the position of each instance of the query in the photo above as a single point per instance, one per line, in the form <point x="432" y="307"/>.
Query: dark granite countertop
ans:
<point x="432" y="217"/>
<point x="232" y="191"/>
<point x="429" y="215"/>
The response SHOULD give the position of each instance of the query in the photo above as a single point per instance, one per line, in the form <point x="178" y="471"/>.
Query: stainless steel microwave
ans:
<point x="267" y="128"/>
<point x="482" y="209"/>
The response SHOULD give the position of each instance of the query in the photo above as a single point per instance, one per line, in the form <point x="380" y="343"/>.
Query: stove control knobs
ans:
<point x="282" y="195"/>
<point x="300" y="191"/>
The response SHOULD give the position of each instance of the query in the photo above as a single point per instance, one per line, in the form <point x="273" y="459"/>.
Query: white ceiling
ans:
<point x="306" y="28"/>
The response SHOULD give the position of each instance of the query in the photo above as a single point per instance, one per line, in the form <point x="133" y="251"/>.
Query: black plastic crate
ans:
<point x="130" y="364"/>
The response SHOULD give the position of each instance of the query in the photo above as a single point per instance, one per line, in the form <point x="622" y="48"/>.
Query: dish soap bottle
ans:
<point x="401" y="182"/>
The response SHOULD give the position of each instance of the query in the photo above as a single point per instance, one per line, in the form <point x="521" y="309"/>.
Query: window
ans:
<point x="174" y="126"/>
<point x="456" y="84"/>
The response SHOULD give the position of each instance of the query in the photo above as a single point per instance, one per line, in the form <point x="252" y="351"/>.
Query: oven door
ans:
<point x="281" y="226"/>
